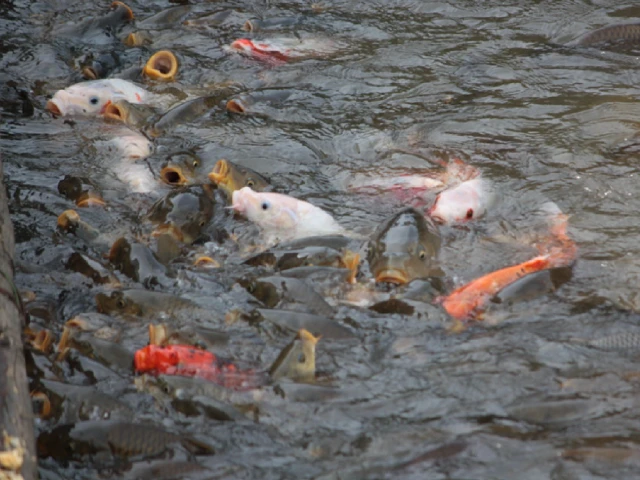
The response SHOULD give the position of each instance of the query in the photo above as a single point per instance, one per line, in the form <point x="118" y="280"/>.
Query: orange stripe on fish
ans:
<point x="468" y="301"/>
<point x="188" y="361"/>
<point x="262" y="51"/>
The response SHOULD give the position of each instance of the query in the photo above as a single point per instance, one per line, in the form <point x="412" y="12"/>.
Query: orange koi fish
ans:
<point x="188" y="361"/>
<point x="468" y="301"/>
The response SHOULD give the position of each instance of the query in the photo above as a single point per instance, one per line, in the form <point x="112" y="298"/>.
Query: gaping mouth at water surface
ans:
<point x="126" y="10"/>
<point x="115" y="112"/>
<point x="392" y="275"/>
<point x="53" y="108"/>
<point x="235" y="105"/>
<point x="173" y="176"/>
<point x="68" y="220"/>
<point x="219" y="172"/>
<point x="162" y="65"/>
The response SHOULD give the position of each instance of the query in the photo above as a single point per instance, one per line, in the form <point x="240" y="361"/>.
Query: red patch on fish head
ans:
<point x="104" y="107"/>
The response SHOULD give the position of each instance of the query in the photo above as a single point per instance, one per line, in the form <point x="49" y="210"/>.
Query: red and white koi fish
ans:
<point x="282" y="50"/>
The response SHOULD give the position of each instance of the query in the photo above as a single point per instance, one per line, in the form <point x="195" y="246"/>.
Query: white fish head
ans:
<point x="267" y="210"/>
<point x="462" y="203"/>
<point x="91" y="98"/>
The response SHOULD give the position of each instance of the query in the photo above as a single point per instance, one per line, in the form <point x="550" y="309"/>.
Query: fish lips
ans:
<point x="392" y="275"/>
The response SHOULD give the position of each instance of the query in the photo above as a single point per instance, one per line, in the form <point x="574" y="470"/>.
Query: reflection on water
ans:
<point x="499" y="85"/>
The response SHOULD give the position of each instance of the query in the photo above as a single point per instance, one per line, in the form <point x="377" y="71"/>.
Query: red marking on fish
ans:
<point x="262" y="51"/>
<point x="188" y="361"/>
<point x="104" y="107"/>
<point x="469" y="300"/>
<point x="138" y="97"/>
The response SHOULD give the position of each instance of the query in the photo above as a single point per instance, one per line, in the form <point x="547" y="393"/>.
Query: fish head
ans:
<point x="117" y="303"/>
<point x="267" y="210"/>
<point x="231" y="177"/>
<point x="266" y="292"/>
<point x="79" y="100"/>
<point x="404" y="247"/>
<point x="460" y="204"/>
<point x="297" y="360"/>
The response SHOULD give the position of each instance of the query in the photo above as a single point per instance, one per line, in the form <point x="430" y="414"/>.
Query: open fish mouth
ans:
<point x="127" y="10"/>
<point x="235" y="105"/>
<point x="162" y="65"/>
<point x="114" y="112"/>
<point x="173" y="176"/>
<point x="53" y="108"/>
<point x="392" y="275"/>
<point x="219" y="172"/>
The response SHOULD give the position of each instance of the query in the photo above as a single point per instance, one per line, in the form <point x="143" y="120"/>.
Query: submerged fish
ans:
<point x="404" y="247"/>
<point x="145" y="303"/>
<point x="281" y="50"/>
<point x="230" y="176"/>
<point x="282" y="216"/>
<point x="188" y="361"/>
<point x="614" y="342"/>
<point x="297" y="360"/>
<point x="91" y="98"/>
<point x="628" y="34"/>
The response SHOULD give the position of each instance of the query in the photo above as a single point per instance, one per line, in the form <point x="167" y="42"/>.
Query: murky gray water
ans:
<point x="492" y="83"/>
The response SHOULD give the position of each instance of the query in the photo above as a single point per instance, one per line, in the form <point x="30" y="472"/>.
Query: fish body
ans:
<point x="281" y="50"/>
<point x="91" y="98"/>
<point x="297" y="360"/>
<point x="613" y="34"/>
<point x="404" y="247"/>
<point x="137" y="262"/>
<point x="291" y="293"/>
<point x="616" y="342"/>
<point x="229" y="177"/>
<point x="283" y="216"/>
<point x="144" y="303"/>
<point x="184" y="213"/>
<point x="464" y="202"/>
<point x="188" y="361"/>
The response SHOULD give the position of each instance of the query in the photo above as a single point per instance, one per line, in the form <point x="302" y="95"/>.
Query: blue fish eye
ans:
<point x="265" y="205"/>
<point x="93" y="100"/>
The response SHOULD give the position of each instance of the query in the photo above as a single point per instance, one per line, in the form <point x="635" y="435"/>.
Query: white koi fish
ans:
<point x="282" y="216"/>
<point x="92" y="97"/>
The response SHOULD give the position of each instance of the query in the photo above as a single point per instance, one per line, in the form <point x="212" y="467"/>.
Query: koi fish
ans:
<point x="466" y="201"/>
<point x="92" y="97"/>
<point x="188" y="361"/>
<point x="283" y="216"/>
<point x="282" y="50"/>
<point x="468" y="301"/>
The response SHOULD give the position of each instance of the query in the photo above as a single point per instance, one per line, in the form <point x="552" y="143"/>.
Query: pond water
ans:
<point x="500" y="85"/>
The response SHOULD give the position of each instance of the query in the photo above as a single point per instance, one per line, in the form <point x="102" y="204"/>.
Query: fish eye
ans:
<point x="422" y="254"/>
<point x="250" y="183"/>
<point x="470" y="213"/>
<point x="265" y="205"/>
<point x="94" y="100"/>
<point x="120" y="303"/>
<point x="196" y="163"/>
<point x="302" y="358"/>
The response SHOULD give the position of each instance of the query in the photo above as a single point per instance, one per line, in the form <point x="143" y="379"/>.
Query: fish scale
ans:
<point x="619" y="341"/>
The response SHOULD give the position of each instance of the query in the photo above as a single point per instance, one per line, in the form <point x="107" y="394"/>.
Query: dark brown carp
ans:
<point x="297" y="360"/>
<point x="187" y="112"/>
<point x="315" y="324"/>
<point x="619" y="34"/>
<point x="80" y="191"/>
<point x="404" y="247"/>
<point x="93" y="27"/>
<point x="144" y="303"/>
<point x="120" y="439"/>
<point x="183" y="213"/>
<point x="137" y="262"/>
<point x="258" y="103"/>
<point x="181" y="168"/>
<point x="229" y="177"/>
<point x="101" y="66"/>
<point x="287" y="293"/>
<point x="90" y="268"/>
